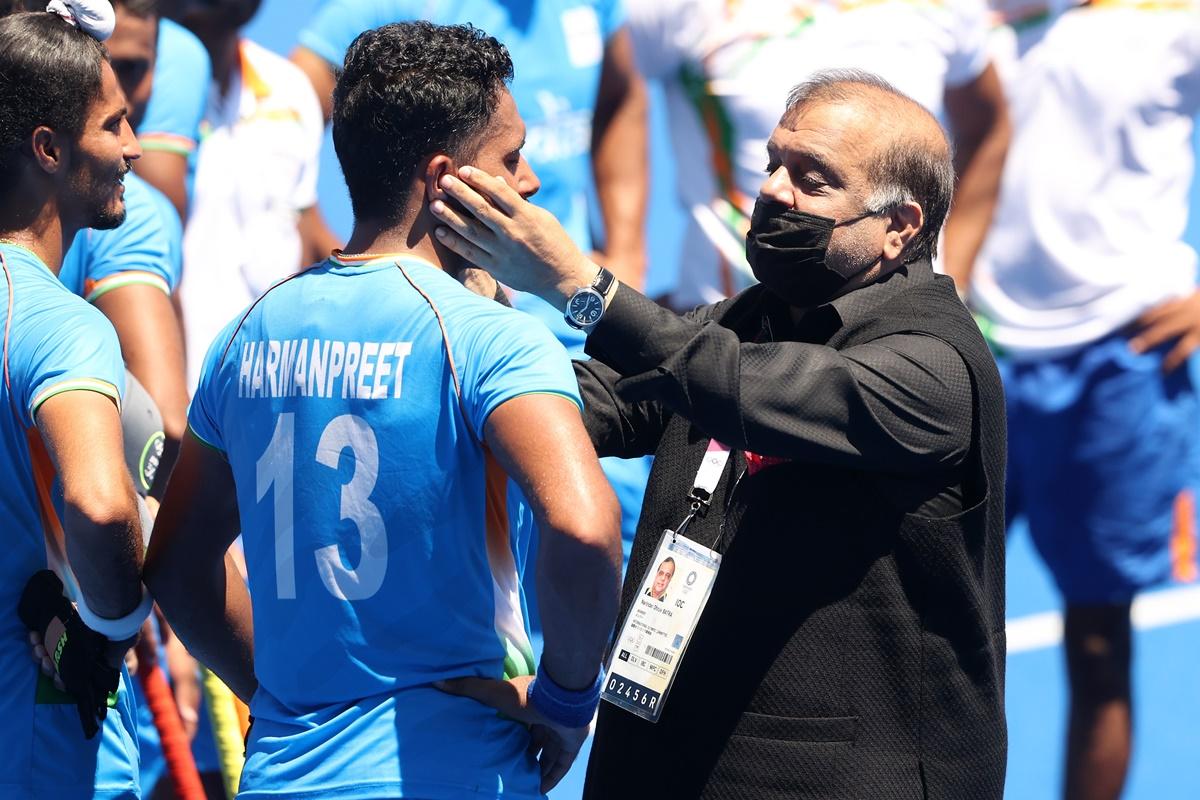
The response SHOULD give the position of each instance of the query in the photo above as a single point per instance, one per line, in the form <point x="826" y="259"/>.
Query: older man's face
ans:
<point x="817" y="161"/>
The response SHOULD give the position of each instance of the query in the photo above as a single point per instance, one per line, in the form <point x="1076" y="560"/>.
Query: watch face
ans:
<point x="585" y="308"/>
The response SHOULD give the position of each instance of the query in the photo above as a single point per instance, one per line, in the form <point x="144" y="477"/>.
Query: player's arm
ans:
<point x="320" y="74"/>
<point x="152" y="345"/>
<point x="165" y="170"/>
<point x="187" y="571"/>
<point x="619" y="159"/>
<point x="980" y="128"/>
<point x="82" y="432"/>
<point x="540" y="441"/>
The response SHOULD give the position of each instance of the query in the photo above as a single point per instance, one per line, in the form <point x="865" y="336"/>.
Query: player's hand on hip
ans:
<point x="556" y="747"/>
<point x="1175" y="320"/>
<point x="84" y="663"/>
<point x="522" y="245"/>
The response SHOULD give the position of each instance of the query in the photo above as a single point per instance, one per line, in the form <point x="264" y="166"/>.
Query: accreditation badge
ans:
<point x="656" y="631"/>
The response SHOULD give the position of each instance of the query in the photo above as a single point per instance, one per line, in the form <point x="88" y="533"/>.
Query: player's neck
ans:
<point x="223" y="53"/>
<point x="39" y="230"/>
<point x="374" y="238"/>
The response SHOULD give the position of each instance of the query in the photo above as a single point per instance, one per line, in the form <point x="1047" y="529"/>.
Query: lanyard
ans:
<point x="708" y="475"/>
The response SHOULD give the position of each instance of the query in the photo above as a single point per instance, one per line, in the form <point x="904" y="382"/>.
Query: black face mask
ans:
<point x="786" y="250"/>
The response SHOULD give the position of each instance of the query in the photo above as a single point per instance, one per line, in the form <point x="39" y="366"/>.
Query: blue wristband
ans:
<point x="565" y="707"/>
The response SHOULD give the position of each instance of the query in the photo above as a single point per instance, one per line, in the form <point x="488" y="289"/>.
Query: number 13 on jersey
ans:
<point x="276" y="470"/>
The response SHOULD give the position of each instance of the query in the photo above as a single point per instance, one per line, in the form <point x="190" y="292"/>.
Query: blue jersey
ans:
<point x="55" y="342"/>
<point x="350" y="402"/>
<point x="557" y="47"/>
<point x="147" y="248"/>
<point x="182" y="74"/>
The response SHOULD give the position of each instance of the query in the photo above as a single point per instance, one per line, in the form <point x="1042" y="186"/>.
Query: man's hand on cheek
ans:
<point x="520" y="244"/>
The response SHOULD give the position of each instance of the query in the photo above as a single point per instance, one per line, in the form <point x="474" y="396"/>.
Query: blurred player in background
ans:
<point x="164" y="71"/>
<point x="1089" y="291"/>
<point x="728" y="67"/>
<point x="584" y="104"/>
<point x="366" y="412"/>
<point x="256" y="175"/>
<point x="65" y="145"/>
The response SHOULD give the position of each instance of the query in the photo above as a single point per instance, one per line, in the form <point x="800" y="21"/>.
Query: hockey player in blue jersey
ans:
<point x="367" y="414"/>
<point x="68" y="502"/>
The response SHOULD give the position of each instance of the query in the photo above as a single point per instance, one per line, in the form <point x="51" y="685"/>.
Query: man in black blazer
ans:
<point x="866" y="423"/>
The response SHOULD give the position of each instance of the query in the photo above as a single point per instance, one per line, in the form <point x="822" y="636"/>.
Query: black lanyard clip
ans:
<point x="700" y="500"/>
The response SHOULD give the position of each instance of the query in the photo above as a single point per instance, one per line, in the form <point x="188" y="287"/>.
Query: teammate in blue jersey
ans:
<point x="367" y="414"/>
<point x="578" y="91"/>
<point x="68" y="502"/>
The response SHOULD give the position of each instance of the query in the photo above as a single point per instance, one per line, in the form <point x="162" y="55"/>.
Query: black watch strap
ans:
<point x="604" y="282"/>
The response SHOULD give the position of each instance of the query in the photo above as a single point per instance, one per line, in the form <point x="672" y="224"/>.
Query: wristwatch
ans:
<point x="586" y="306"/>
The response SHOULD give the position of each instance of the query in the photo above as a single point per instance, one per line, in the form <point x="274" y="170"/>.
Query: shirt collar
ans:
<point x="822" y="322"/>
<point x="856" y="305"/>
<point x="251" y="79"/>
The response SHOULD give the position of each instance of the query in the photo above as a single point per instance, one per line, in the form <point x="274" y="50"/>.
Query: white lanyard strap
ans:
<point x="710" y="471"/>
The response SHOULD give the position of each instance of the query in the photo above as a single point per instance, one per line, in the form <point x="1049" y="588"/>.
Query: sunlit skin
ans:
<point x="500" y="154"/>
<point x="100" y="159"/>
<point x="133" y="50"/>
<point x="662" y="579"/>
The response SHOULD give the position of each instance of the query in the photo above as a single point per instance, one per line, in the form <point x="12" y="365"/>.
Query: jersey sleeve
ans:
<point x="969" y="56"/>
<point x="668" y="34"/>
<point x="503" y="354"/>
<point x="206" y="410"/>
<point x="145" y="249"/>
<point x="65" y="346"/>
<point x="338" y="23"/>
<point x="182" y="73"/>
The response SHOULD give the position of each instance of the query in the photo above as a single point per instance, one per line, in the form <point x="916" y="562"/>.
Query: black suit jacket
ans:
<point x="853" y="646"/>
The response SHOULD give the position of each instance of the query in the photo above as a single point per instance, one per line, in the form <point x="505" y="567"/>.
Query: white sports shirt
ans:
<point x="727" y="67"/>
<point x="1094" y="202"/>
<point x="256" y="170"/>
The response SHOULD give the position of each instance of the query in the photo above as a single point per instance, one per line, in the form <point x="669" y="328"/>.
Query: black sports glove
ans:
<point x="82" y="658"/>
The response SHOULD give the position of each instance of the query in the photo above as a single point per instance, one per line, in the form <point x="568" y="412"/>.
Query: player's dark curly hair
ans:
<point x="409" y="90"/>
<point x="49" y="75"/>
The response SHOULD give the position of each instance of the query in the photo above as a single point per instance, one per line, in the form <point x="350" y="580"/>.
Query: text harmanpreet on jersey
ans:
<point x="350" y="402"/>
<point x="55" y="342"/>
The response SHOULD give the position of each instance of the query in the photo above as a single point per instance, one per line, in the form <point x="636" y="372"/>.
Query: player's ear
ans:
<point x="48" y="149"/>
<point x="437" y="166"/>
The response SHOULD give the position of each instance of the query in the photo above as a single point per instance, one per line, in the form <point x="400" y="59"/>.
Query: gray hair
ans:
<point x="908" y="170"/>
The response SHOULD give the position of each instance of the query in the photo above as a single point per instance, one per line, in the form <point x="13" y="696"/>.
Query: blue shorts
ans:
<point x="62" y="764"/>
<point x="1103" y="463"/>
